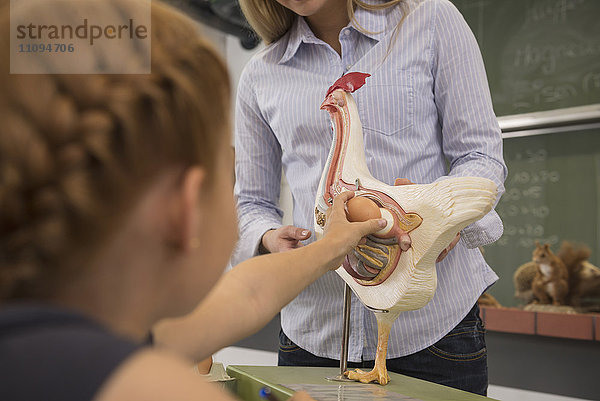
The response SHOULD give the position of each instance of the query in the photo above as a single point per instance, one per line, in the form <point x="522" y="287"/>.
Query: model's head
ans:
<point x="271" y="19"/>
<point x="131" y="165"/>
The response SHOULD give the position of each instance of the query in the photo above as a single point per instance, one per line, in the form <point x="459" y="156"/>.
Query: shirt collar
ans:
<point x="374" y="22"/>
<point x="298" y="33"/>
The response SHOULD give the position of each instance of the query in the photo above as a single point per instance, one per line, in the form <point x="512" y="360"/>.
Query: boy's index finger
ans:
<point x="340" y="201"/>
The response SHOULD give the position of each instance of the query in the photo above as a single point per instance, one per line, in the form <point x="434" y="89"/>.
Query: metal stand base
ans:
<point x="340" y="378"/>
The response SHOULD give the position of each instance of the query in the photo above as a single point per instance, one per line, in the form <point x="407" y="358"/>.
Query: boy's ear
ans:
<point x="187" y="217"/>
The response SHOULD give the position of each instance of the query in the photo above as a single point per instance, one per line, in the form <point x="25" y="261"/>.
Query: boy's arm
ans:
<point x="249" y="296"/>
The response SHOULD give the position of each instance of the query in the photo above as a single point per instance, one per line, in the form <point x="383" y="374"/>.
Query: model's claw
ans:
<point x="378" y="374"/>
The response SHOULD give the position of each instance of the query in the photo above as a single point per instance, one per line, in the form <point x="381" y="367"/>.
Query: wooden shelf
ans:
<point x="563" y="325"/>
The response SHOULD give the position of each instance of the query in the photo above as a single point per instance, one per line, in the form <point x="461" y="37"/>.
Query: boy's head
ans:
<point x="79" y="154"/>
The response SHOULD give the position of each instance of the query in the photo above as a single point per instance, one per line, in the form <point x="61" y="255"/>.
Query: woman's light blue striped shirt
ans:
<point x="426" y="113"/>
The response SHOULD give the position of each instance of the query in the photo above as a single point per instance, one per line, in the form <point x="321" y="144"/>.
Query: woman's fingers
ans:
<point x="454" y="242"/>
<point x="402" y="181"/>
<point x="295" y="233"/>
<point x="444" y="253"/>
<point x="283" y="239"/>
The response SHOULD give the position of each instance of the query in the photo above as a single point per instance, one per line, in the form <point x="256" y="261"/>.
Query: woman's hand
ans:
<point x="342" y="234"/>
<point x="283" y="239"/>
<point x="444" y="253"/>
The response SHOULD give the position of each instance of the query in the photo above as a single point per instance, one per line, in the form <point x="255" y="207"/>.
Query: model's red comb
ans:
<point x="349" y="82"/>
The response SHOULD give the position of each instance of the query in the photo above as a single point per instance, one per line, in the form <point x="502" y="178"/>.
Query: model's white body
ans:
<point x="446" y="207"/>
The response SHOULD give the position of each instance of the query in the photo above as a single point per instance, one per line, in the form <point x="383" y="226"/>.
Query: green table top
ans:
<point x="250" y="379"/>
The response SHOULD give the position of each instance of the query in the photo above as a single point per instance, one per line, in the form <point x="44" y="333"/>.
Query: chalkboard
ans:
<point x="552" y="194"/>
<point x="539" y="54"/>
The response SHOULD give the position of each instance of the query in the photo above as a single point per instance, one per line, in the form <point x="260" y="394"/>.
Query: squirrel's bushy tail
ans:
<point x="573" y="256"/>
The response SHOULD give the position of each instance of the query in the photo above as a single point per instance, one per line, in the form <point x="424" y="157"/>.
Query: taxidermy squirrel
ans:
<point x="550" y="283"/>
<point x="584" y="278"/>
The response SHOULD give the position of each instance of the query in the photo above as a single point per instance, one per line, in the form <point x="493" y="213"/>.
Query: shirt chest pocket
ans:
<point x="386" y="102"/>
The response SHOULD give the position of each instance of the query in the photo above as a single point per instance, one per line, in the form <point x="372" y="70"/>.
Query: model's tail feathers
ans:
<point x="446" y="207"/>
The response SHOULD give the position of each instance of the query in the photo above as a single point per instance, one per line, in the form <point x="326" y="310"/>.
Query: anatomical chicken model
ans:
<point x="393" y="270"/>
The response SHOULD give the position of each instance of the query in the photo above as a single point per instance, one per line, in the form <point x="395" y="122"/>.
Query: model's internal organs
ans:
<point x="392" y="270"/>
<point x="380" y="251"/>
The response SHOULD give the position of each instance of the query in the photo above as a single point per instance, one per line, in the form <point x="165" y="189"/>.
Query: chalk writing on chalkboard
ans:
<point x="552" y="195"/>
<point x="523" y="203"/>
<point x="539" y="54"/>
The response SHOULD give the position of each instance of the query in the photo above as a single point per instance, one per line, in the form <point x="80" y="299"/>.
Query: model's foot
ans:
<point x="379" y="375"/>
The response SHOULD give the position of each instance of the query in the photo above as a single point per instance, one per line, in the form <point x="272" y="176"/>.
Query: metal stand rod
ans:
<point x="346" y="330"/>
<point x="345" y="338"/>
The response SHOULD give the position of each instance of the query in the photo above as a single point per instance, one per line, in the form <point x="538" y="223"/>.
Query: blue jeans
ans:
<point x="458" y="360"/>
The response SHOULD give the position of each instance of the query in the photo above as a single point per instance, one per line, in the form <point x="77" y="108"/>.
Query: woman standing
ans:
<point x="427" y="114"/>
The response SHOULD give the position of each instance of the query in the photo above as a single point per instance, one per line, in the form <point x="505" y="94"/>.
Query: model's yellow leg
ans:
<point x="379" y="372"/>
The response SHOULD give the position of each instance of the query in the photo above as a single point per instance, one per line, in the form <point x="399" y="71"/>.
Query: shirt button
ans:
<point x="347" y="32"/>
<point x="348" y="67"/>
